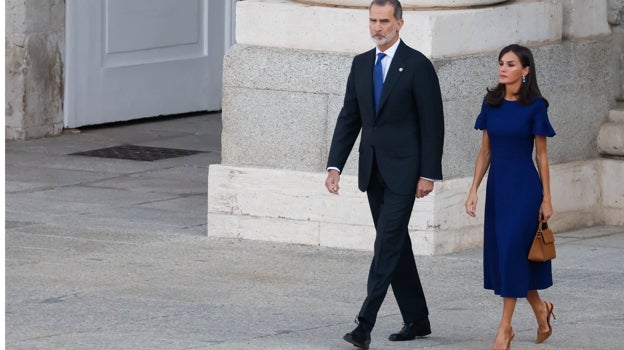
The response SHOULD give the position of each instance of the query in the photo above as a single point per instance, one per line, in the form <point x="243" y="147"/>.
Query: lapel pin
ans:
<point x="401" y="69"/>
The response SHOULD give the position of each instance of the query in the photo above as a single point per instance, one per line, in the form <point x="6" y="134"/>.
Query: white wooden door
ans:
<point x="129" y="59"/>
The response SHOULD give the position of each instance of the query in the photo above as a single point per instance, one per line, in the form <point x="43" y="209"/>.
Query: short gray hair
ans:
<point x="398" y="10"/>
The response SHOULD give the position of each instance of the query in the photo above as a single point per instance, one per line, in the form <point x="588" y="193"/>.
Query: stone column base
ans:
<point x="613" y="191"/>
<point x="294" y="207"/>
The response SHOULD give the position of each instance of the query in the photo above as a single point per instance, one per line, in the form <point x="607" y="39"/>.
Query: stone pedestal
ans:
<point x="283" y="88"/>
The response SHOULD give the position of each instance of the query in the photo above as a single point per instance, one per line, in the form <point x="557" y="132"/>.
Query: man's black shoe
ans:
<point x="359" y="337"/>
<point x="410" y="331"/>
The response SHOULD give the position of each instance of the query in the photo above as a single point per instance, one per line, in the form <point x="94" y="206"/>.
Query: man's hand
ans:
<point x="333" y="177"/>
<point x="423" y="188"/>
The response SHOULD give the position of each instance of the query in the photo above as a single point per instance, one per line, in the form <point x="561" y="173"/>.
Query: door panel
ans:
<point x="129" y="59"/>
<point x="146" y="24"/>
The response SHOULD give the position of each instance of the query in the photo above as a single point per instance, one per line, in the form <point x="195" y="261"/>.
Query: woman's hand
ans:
<point x="546" y="211"/>
<point x="471" y="204"/>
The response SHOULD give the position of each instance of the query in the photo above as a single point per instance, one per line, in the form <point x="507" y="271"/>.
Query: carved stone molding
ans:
<point x="406" y="4"/>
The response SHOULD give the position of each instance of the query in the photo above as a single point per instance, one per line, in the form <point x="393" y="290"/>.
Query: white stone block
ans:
<point x="294" y="207"/>
<point x="470" y="31"/>
<point x="575" y="190"/>
<point x="359" y="237"/>
<point x="450" y="213"/>
<point x="613" y="191"/>
<point x="611" y="134"/>
<point x="223" y="225"/>
<point x="574" y="185"/>
<point x="436" y="33"/>
<point x="278" y="193"/>
<point x="424" y="242"/>
<point x="279" y="230"/>
<point x="584" y="18"/>
<point x="611" y="139"/>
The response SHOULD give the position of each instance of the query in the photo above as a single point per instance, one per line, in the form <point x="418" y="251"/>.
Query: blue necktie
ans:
<point x="378" y="79"/>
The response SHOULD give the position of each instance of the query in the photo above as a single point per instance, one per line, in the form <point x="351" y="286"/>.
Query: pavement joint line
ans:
<point x="81" y="239"/>
<point x="33" y="248"/>
<point x="576" y="238"/>
<point x="90" y="184"/>
<point x="45" y="337"/>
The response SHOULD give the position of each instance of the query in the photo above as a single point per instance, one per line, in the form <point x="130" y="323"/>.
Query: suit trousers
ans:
<point x="393" y="261"/>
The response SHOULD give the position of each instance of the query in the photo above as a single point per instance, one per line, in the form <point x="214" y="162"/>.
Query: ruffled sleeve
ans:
<point x="541" y="124"/>
<point x="481" y="123"/>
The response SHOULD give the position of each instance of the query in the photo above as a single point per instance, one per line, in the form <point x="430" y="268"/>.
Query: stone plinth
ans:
<point x="283" y="88"/>
<point x="291" y="206"/>
<point x="294" y="207"/>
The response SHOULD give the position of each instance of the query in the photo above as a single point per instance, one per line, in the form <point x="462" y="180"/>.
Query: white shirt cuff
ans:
<point x="333" y="168"/>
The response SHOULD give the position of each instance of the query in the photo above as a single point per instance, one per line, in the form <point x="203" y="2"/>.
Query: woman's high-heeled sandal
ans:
<point x="508" y="342"/>
<point x="542" y="336"/>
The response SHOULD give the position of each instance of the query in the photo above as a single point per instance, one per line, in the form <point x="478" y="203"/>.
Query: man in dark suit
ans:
<point x="393" y="97"/>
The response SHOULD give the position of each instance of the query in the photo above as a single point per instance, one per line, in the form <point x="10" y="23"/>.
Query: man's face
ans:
<point x="384" y="28"/>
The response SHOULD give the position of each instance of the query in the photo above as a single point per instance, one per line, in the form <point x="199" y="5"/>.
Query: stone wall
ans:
<point x="34" y="50"/>
<point x="282" y="116"/>
<point x="278" y="121"/>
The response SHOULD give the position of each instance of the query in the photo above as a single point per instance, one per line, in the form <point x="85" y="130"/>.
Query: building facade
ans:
<point x="282" y="88"/>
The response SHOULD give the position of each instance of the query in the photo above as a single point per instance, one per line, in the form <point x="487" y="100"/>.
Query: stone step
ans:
<point x="616" y="115"/>
<point x="611" y="134"/>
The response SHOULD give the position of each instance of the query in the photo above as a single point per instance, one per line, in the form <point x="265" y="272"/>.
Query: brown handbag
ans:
<point x="543" y="247"/>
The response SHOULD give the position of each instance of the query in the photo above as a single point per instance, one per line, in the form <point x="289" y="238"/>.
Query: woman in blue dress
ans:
<point x="514" y="119"/>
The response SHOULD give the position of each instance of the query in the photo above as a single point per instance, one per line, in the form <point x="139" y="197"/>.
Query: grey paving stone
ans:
<point x="101" y="261"/>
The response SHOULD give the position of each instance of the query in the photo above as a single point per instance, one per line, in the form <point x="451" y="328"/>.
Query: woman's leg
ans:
<point x="505" y="331"/>
<point x="540" y="309"/>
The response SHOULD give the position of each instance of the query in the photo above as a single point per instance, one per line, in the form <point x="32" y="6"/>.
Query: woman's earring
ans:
<point x="523" y="78"/>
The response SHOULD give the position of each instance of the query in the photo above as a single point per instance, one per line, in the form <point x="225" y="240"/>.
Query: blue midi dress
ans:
<point x="513" y="197"/>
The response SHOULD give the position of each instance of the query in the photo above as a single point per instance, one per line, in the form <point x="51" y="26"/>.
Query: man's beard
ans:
<point x="384" y="40"/>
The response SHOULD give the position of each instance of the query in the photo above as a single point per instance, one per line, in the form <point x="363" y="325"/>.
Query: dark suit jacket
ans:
<point x="406" y="136"/>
